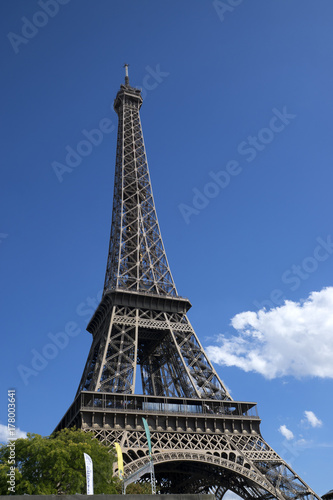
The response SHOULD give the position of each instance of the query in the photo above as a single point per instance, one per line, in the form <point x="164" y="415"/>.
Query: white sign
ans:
<point x="89" y="474"/>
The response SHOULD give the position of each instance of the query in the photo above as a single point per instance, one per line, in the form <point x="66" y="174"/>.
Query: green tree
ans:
<point x="139" y="488"/>
<point x="55" y="464"/>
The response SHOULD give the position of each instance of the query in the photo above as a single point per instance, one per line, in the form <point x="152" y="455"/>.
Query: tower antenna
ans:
<point x="126" y="74"/>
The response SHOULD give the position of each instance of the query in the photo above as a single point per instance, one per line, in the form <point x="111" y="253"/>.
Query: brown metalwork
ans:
<point x="202" y="440"/>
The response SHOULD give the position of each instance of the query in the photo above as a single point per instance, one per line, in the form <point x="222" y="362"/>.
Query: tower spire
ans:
<point x="126" y="74"/>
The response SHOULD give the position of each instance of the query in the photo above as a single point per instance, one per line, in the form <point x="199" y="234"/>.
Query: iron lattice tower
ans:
<point x="203" y="441"/>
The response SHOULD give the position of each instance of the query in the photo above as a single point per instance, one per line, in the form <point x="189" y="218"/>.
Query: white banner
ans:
<point x="89" y="474"/>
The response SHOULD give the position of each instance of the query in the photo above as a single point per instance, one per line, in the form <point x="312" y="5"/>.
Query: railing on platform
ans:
<point x="130" y="403"/>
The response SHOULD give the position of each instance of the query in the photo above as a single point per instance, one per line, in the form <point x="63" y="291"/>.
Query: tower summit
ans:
<point x="126" y="74"/>
<point x="202" y="440"/>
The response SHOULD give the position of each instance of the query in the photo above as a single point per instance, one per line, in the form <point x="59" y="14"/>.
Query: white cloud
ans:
<point x="295" y="339"/>
<point x="312" y="419"/>
<point x="4" y="434"/>
<point x="286" y="432"/>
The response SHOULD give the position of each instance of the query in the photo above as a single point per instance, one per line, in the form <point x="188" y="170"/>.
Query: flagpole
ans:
<point x="152" y="469"/>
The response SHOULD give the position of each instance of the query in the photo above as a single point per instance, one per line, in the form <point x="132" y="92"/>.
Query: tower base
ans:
<point x="198" y="446"/>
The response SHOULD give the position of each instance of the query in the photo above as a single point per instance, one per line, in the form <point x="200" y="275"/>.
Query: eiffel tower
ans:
<point x="202" y="440"/>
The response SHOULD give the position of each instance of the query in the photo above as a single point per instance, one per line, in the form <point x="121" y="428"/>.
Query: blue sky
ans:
<point x="237" y="119"/>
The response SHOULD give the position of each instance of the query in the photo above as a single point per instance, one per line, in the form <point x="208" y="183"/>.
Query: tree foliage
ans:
<point x="139" y="488"/>
<point x="55" y="464"/>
